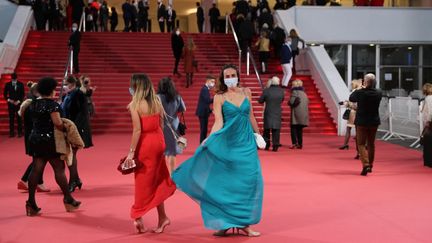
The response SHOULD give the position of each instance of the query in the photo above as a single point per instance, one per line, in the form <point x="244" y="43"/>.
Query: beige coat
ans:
<point x="300" y="113"/>
<point x="67" y="140"/>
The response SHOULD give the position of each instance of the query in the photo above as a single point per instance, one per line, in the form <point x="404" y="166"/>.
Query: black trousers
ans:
<point x="162" y="26"/>
<point x="126" y="24"/>
<point x="76" y="61"/>
<point x="27" y="174"/>
<point x="203" y="127"/>
<point x="297" y="134"/>
<point x="427" y="150"/>
<point x="200" y="26"/>
<point x="13" y="112"/>
<point x="213" y="27"/>
<point x="170" y="26"/>
<point x="275" y="134"/>
<point x="176" y="63"/>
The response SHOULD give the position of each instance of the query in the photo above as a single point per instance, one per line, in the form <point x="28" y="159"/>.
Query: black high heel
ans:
<point x="346" y="146"/>
<point x="222" y="233"/>
<point x="32" y="209"/>
<point x="75" y="184"/>
<point x="365" y="170"/>
<point x="71" y="205"/>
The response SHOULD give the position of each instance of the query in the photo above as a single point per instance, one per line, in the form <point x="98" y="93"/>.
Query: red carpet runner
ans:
<point x="310" y="195"/>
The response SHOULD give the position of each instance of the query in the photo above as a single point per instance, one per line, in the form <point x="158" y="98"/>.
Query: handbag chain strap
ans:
<point x="176" y="136"/>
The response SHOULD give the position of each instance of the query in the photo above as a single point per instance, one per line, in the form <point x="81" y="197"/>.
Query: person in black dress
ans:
<point x="75" y="108"/>
<point x="45" y="114"/>
<point x="14" y="95"/>
<point x="28" y="125"/>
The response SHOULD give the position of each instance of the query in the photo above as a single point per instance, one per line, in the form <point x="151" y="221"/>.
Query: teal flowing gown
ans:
<point x="224" y="175"/>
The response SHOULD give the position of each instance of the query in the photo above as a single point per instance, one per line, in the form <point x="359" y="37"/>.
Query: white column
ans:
<point x="349" y="65"/>
<point x="420" y="68"/>
<point x="377" y="66"/>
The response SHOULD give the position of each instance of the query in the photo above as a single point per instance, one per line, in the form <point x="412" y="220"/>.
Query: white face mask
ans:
<point x="74" y="29"/>
<point x="131" y="91"/>
<point x="210" y="85"/>
<point x="231" y="82"/>
<point x="178" y="32"/>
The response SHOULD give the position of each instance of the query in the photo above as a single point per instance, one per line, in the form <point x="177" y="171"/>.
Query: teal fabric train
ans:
<point x="224" y="175"/>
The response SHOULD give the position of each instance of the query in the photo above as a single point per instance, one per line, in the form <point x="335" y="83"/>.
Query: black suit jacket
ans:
<point x="161" y="12"/>
<point x="204" y="101"/>
<point x="173" y="15"/>
<point x="177" y="45"/>
<point x="214" y="14"/>
<point x="10" y="92"/>
<point x="200" y="14"/>
<point x="75" y="40"/>
<point x="368" y="101"/>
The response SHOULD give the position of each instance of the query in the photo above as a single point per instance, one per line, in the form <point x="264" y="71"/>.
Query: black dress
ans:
<point x="41" y="138"/>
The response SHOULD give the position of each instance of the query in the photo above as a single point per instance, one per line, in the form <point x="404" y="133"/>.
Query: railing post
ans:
<point x="247" y="63"/>
<point x="226" y="24"/>
<point x="239" y="60"/>
<point x="71" y="61"/>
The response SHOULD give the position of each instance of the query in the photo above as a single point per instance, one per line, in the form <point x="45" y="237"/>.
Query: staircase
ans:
<point x="109" y="59"/>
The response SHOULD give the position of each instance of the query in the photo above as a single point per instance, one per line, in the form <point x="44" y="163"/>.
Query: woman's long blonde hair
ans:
<point x="144" y="91"/>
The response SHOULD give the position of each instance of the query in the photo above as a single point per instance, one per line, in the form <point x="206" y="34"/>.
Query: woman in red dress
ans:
<point x="153" y="184"/>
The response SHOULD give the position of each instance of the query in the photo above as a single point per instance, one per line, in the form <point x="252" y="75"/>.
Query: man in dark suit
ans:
<point x="127" y="15"/>
<point x="170" y="18"/>
<point x="161" y="14"/>
<point x="177" y="45"/>
<point x="214" y="18"/>
<point x="203" y="110"/>
<point x="200" y="17"/>
<point x="241" y="7"/>
<point x="367" y="120"/>
<point x="273" y="97"/>
<point x="14" y="95"/>
<point x="74" y="44"/>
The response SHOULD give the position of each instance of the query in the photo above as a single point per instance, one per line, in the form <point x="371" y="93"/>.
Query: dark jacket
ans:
<point x="246" y="30"/>
<point x="161" y="12"/>
<point x="278" y="36"/>
<point x="75" y="108"/>
<point x="242" y="7"/>
<point x="172" y="17"/>
<point x="204" y="101"/>
<point x="75" y="40"/>
<point x="214" y="14"/>
<point x="273" y="98"/>
<point x="286" y="54"/>
<point x="10" y="92"/>
<point x="127" y="10"/>
<point x="200" y="14"/>
<point x="177" y="45"/>
<point x="368" y="101"/>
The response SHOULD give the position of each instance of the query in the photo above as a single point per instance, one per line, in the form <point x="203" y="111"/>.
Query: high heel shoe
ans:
<point x="365" y="170"/>
<point x="346" y="146"/>
<point x="161" y="228"/>
<point x="222" y="233"/>
<point x="71" y="205"/>
<point x="139" y="226"/>
<point x="22" y="186"/>
<point x="32" y="209"/>
<point x="248" y="231"/>
<point x="42" y="188"/>
<point x="74" y="184"/>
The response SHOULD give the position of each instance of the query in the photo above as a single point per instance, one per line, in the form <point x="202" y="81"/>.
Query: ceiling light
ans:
<point x="409" y="47"/>
<point x="371" y="44"/>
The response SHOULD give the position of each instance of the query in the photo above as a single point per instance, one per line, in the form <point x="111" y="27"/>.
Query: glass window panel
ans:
<point x="338" y="54"/>
<point x="409" y="78"/>
<point x="389" y="78"/>
<point x="427" y="75"/>
<point x="399" y="55"/>
<point x="427" y="55"/>
<point x="363" y="60"/>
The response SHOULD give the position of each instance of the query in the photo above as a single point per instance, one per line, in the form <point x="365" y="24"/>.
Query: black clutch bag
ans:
<point x="346" y="114"/>
<point x="127" y="170"/>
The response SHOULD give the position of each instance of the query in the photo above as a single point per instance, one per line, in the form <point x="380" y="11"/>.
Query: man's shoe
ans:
<point x="365" y="171"/>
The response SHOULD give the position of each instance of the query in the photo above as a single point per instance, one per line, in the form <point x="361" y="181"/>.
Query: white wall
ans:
<point x="360" y="25"/>
<point x="7" y="12"/>
<point x="15" y="38"/>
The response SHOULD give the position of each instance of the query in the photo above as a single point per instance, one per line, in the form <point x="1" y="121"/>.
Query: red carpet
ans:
<point x="310" y="195"/>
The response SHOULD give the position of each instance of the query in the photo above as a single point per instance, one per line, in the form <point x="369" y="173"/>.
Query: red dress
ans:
<point x="153" y="184"/>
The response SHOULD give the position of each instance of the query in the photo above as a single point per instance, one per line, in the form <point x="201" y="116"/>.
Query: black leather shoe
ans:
<point x="267" y="147"/>
<point x="75" y="184"/>
<point x="275" y="148"/>
<point x="365" y="171"/>
<point x="370" y="169"/>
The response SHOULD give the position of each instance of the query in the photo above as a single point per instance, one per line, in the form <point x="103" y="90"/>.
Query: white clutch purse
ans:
<point x="259" y="141"/>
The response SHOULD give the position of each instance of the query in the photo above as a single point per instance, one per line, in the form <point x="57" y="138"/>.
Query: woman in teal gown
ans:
<point x="224" y="175"/>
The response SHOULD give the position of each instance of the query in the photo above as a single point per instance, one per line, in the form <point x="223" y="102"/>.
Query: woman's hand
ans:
<point x="129" y="162"/>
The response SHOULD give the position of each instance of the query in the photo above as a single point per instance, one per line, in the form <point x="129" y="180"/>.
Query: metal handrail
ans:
<point x="82" y="23"/>
<point x="228" y="25"/>
<point x="251" y="58"/>
<point x="69" y="64"/>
